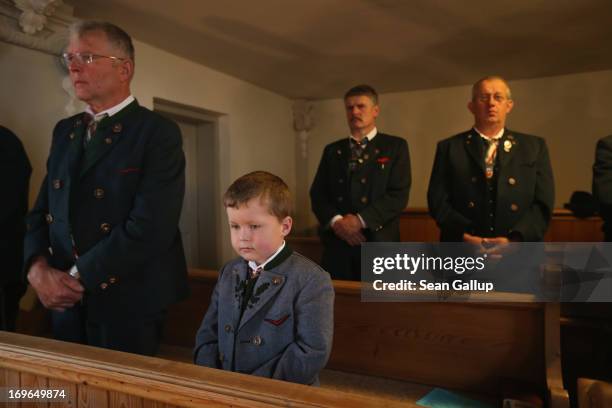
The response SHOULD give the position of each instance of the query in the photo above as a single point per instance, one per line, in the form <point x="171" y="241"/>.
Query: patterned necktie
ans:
<point x="254" y="273"/>
<point x="490" y="157"/>
<point x="92" y="125"/>
<point x="357" y="149"/>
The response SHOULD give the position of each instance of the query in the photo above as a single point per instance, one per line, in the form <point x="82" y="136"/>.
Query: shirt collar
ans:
<point x="496" y="136"/>
<point x="369" y="136"/>
<point x="253" y="265"/>
<point x="112" y="110"/>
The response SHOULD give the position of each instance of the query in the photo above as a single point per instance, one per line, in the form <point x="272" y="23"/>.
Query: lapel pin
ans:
<point x="117" y="127"/>
<point x="276" y="280"/>
<point x="507" y="146"/>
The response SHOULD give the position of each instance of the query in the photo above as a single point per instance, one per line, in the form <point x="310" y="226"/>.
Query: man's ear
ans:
<point x="286" y="225"/>
<point x="510" y="105"/>
<point x="470" y="106"/>
<point x="127" y="70"/>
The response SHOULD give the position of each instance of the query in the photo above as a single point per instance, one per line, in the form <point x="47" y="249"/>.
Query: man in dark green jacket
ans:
<point x="103" y="249"/>
<point x="602" y="183"/>
<point x="491" y="185"/>
<point x="361" y="187"/>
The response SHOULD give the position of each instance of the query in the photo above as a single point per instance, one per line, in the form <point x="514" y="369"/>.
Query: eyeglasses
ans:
<point x="485" y="97"/>
<point x="84" y="58"/>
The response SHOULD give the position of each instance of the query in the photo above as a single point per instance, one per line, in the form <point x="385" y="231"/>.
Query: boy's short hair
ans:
<point x="362" y="90"/>
<point x="268" y="187"/>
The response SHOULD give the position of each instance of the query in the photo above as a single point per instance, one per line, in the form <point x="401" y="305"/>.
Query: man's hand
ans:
<point x="56" y="289"/>
<point x="349" y="231"/>
<point x="498" y="246"/>
<point x="472" y="239"/>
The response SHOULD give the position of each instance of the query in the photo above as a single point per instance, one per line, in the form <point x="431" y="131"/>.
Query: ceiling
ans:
<point x="317" y="49"/>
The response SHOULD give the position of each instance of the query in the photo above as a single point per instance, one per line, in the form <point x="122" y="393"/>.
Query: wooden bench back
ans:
<point x="98" y="378"/>
<point x="466" y="346"/>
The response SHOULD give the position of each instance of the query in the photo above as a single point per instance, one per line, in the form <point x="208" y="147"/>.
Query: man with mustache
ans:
<point x="361" y="187"/>
<point x="103" y="250"/>
<point x="491" y="185"/>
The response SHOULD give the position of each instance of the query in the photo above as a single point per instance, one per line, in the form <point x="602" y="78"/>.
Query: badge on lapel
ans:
<point x="507" y="146"/>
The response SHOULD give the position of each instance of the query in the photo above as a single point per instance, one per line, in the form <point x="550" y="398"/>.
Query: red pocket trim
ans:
<point x="277" y="322"/>
<point x="129" y="170"/>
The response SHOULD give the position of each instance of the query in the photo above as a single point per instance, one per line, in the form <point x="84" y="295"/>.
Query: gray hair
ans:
<point x="115" y="35"/>
<point x="490" y="78"/>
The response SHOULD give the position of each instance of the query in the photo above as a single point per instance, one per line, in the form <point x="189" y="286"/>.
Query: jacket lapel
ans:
<point x="474" y="146"/>
<point x="239" y="277"/>
<point x="268" y="284"/>
<point x="75" y="150"/>
<point x="507" y="147"/>
<point x="342" y="154"/>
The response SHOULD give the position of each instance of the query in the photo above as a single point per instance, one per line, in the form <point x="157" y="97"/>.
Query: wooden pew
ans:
<point x="98" y="378"/>
<point x="416" y="225"/>
<point x="472" y="347"/>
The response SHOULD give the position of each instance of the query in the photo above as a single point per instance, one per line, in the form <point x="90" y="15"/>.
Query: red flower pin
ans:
<point x="382" y="161"/>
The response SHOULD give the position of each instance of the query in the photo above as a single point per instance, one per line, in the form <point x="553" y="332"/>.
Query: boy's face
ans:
<point x="256" y="234"/>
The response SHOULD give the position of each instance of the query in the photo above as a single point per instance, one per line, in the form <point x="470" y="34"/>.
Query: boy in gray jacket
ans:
<point x="271" y="312"/>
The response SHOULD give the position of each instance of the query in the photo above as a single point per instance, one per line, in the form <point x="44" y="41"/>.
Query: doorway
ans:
<point x="199" y="216"/>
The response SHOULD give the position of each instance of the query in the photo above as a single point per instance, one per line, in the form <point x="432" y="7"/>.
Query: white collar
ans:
<point x="253" y="265"/>
<point x="496" y="136"/>
<point x="112" y="110"/>
<point x="369" y="136"/>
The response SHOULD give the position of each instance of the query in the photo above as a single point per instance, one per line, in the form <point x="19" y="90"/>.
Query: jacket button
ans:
<point x="340" y="199"/>
<point x="512" y="181"/>
<point x="340" y="181"/>
<point x="112" y="280"/>
<point x="514" y="207"/>
<point x="360" y="160"/>
<point x="364" y="199"/>
<point x="363" y="180"/>
<point x="471" y="204"/>
<point x="99" y="193"/>
<point x="474" y="179"/>
<point x="105" y="227"/>
<point x="57" y="184"/>
<point x="228" y="328"/>
<point x="117" y="127"/>
<point x="103" y="285"/>
<point x="257" y="341"/>
<point x="49" y="218"/>
<point x="339" y="151"/>
<point x="108" y="140"/>
<point x="71" y="136"/>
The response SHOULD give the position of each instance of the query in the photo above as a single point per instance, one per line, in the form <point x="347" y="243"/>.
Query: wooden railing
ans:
<point x="97" y="378"/>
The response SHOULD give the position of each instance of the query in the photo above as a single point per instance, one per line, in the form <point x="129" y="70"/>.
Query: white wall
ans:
<point x="571" y="112"/>
<point x="257" y="124"/>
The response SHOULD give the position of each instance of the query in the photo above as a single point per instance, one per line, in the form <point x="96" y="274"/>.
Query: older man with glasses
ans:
<point x="491" y="185"/>
<point x="102" y="249"/>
